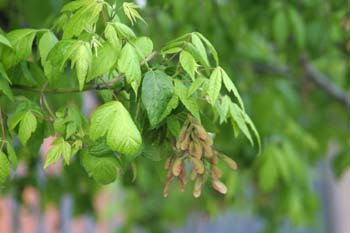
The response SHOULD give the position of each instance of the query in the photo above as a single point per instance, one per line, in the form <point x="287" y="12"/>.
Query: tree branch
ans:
<point x="323" y="82"/>
<point x="97" y="87"/>
<point x="312" y="74"/>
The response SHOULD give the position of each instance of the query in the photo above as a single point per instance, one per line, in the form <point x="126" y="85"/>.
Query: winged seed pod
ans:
<point x="197" y="190"/>
<point x="216" y="173"/>
<point x="178" y="166"/>
<point x="219" y="186"/>
<point x="167" y="163"/>
<point x="232" y="164"/>
<point x="198" y="165"/>
<point x="194" y="142"/>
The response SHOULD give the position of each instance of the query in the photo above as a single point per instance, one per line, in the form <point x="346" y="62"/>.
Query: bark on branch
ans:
<point x="323" y="82"/>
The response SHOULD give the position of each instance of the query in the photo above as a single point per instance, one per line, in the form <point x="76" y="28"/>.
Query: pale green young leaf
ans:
<point x="129" y="65"/>
<point x="102" y="169"/>
<point x="171" y="51"/>
<point x="16" y="119"/>
<point x="238" y="118"/>
<point x="210" y="46"/>
<point x="130" y="10"/>
<point x="4" y="168"/>
<point x="84" y="18"/>
<point x="112" y="37"/>
<point x="125" y="31"/>
<point x="3" y="73"/>
<point x="27" y="126"/>
<point x="5" y="41"/>
<point x="59" y="148"/>
<point x="189" y="102"/>
<point x="214" y="86"/>
<point x="82" y="59"/>
<point x="5" y="89"/>
<point x="198" y="44"/>
<point x="197" y="84"/>
<point x="250" y="123"/>
<point x="58" y="56"/>
<point x="114" y="121"/>
<point x="104" y="61"/>
<point x="75" y="5"/>
<point x="230" y="86"/>
<point x="157" y="91"/>
<point x="178" y="42"/>
<point x="144" y="47"/>
<point x="188" y="63"/>
<point x="46" y="43"/>
<point x="22" y="41"/>
<point x="223" y="108"/>
<point x="12" y="157"/>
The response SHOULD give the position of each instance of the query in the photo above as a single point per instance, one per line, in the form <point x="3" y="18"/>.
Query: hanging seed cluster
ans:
<point x="194" y="149"/>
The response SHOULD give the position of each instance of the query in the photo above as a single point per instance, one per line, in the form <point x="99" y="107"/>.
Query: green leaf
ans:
<point x="224" y="108"/>
<point x="144" y="47"/>
<point x="174" y="125"/>
<point x="268" y="174"/>
<point x="189" y="102"/>
<point x="188" y="63"/>
<point x="46" y="43"/>
<point x="12" y="157"/>
<point x="75" y="5"/>
<point x="130" y="10"/>
<point x="22" y="41"/>
<point x="128" y="64"/>
<point x="112" y="36"/>
<point x="124" y="31"/>
<point x="114" y="121"/>
<point x="210" y="46"/>
<point x="173" y="103"/>
<point x="280" y="28"/>
<point x="157" y="90"/>
<point x="171" y="51"/>
<point x="4" y="74"/>
<point x="231" y="87"/>
<point x="82" y="59"/>
<point x="197" y="84"/>
<point x="5" y="41"/>
<point x="253" y="128"/>
<point x="198" y="44"/>
<point x="58" y="57"/>
<point x="5" y="89"/>
<point x="104" y="61"/>
<point x="27" y="126"/>
<point x="84" y="18"/>
<point x="59" y="148"/>
<point x="215" y="83"/>
<point x="4" y="168"/>
<point x="238" y="117"/>
<point x="298" y="26"/>
<point x="102" y="169"/>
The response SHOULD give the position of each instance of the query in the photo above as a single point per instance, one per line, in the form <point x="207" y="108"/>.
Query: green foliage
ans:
<point x="149" y="88"/>
<point x="157" y="91"/>
<point x="114" y="121"/>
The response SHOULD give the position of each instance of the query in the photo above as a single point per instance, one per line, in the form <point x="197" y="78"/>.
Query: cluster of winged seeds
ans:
<point x="194" y="150"/>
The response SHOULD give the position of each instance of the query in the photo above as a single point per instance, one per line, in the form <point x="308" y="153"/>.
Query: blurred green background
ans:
<point x="291" y="63"/>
